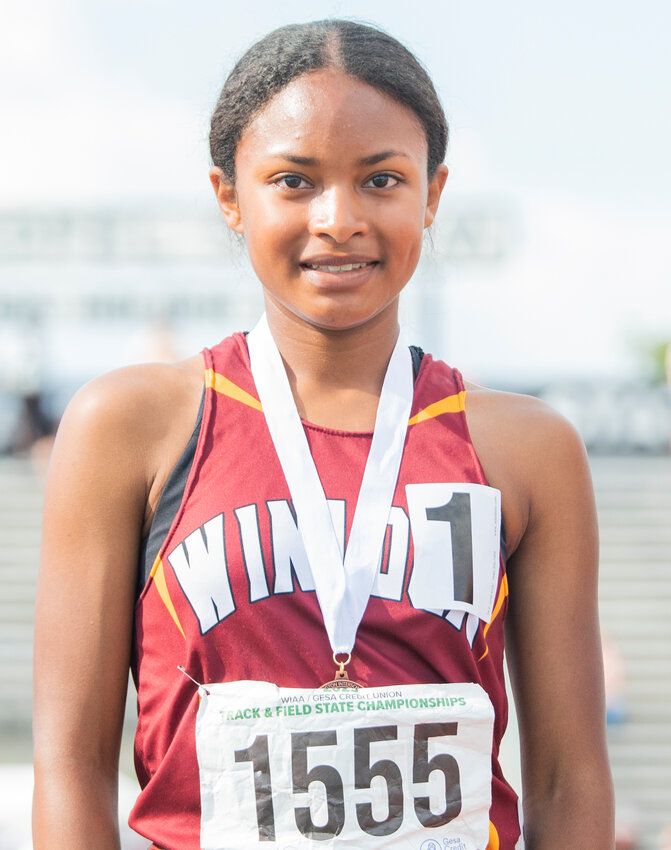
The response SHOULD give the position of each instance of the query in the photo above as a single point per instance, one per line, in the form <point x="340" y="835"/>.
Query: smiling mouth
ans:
<point x="345" y="267"/>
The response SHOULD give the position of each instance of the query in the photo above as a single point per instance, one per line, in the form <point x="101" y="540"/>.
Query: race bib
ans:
<point x="397" y="767"/>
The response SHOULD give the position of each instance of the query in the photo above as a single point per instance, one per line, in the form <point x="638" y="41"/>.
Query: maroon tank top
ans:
<point x="230" y="594"/>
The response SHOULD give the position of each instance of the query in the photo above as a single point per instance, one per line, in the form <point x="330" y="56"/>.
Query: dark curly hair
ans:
<point x="362" y="51"/>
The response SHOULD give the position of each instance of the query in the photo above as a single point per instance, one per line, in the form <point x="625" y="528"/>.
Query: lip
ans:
<point x="328" y="279"/>
<point x="337" y="260"/>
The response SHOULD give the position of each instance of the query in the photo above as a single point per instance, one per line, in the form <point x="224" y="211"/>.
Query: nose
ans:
<point x="337" y="212"/>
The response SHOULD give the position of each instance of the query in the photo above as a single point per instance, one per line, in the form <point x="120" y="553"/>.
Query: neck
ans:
<point x="335" y="376"/>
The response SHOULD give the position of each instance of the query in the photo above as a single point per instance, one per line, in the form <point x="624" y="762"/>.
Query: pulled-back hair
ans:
<point x="364" y="52"/>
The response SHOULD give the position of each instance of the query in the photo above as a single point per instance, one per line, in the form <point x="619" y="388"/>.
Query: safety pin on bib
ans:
<point x="201" y="688"/>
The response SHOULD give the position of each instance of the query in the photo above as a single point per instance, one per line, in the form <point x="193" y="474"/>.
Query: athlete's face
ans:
<point x="332" y="197"/>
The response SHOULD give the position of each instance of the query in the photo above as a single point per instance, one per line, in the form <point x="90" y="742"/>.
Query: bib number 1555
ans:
<point x="444" y="764"/>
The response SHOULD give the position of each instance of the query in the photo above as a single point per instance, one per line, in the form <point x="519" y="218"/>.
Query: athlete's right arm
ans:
<point x="104" y="462"/>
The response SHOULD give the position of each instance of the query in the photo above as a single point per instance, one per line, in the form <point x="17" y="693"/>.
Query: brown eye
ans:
<point x="382" y="181"/>
<point x="292" y="181"/>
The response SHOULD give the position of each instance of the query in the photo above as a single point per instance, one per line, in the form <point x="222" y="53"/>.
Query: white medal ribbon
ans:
<point x="343" y="584"/>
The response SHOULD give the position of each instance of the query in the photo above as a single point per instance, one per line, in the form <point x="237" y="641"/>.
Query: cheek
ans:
<point x="255" y="204"/>
<point x="407" y="233"/>
<point x="265" y="230"/>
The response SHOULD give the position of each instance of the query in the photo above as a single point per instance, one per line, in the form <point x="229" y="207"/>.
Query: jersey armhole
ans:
<point x="478" y="463"/>
<point x="168" y="503"/>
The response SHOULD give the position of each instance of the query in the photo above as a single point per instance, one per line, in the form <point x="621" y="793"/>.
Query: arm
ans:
<point x="94" y="505"/>
<point x="109" y="464"/>
<point x="554" y="648"/>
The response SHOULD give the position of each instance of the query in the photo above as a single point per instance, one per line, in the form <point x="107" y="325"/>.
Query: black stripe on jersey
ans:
<point x="168" y="504"/>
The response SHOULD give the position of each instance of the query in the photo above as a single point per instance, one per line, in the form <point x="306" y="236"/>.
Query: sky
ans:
<point x="559" y="116"/>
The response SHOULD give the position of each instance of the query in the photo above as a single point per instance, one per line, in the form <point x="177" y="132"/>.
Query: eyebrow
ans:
<point x="373" y="159"/>
<point x="379" y="157"/>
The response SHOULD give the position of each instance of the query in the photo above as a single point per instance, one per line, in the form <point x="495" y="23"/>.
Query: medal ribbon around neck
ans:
<point x="343" y="584"/>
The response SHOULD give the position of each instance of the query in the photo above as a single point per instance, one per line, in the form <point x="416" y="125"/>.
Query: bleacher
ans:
<point x="634" y="501"/>
<point x="20" y="518"/>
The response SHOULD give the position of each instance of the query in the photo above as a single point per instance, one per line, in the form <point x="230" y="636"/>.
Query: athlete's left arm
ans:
<point x="553" y="642"/>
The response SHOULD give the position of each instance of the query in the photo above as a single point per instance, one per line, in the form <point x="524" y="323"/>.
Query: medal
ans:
<point x="343" y="580"/>
<point x="342" y="680"/>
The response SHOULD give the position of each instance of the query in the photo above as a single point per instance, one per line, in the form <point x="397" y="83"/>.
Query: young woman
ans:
<point x="383" y="541"/>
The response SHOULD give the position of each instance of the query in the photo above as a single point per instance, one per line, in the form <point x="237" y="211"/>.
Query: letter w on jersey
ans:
<point x="201" y="569"/>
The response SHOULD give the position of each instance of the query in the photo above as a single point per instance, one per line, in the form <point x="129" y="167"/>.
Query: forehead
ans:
<point x="334" y="112"/>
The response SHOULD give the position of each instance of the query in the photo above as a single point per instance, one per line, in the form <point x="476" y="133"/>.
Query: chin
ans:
<point x="341" y="324"/>
<point x="334" y="314"/>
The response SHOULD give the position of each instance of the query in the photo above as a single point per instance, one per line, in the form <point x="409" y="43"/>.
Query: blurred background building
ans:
<point x="547" y="272"/>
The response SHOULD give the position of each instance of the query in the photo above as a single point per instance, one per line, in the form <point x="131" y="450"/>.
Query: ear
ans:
<point x="435" y="189"/>
<point x="227" y="199"/>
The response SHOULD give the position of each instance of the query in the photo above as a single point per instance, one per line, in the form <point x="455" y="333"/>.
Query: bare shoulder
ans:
<point x="133" y="422"/>
<point x="524" y="422"/>
<point x="124" y="393"/>
<point x="526" y="448"/>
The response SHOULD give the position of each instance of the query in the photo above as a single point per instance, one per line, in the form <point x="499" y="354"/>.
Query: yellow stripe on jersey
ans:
<point x="221" y="384"/>
<point x="493" y="838"/>
<point x="158" y="576"/>
<point x="503" y="592"/>
<point x="450" y="404"/>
